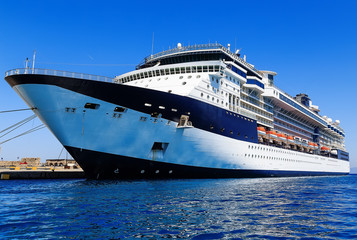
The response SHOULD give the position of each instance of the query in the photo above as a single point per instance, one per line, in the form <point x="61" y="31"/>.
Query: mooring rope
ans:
<point x="17" y="110"/>
<point x="39" y="127"/>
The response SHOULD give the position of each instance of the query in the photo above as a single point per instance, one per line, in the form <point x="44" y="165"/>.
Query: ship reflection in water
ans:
<point x="306" y="207"/>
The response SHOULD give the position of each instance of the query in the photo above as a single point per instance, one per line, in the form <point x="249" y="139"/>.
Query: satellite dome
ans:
<point x="179" y="45"/>
<point x="329" y="120"/>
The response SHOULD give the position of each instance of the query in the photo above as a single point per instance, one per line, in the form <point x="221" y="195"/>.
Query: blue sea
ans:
<point x="262" y="208"/>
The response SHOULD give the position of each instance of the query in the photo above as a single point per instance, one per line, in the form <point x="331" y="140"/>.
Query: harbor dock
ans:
<point x="39" y="173"/>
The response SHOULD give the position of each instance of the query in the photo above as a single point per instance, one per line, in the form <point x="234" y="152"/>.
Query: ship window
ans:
<point x="238" y="133"/>
<point x="216" y="68"/>
<point x="167" y="71"/>
<point x="162" y="71"/>
<point x="92" y="105"/>
<point x="161" y="107"/>
<point x="201" y="94"/>
<point x="222" y="129"/>
<point x="246" y="136"/>
<point x="172" y="71"/>
<point x="157" y="72"/>
<point x="188" y="70"/>
<point x="211" y="127"/>
<point x="183" y="83"/>
<point x="147" y="104"/>
<point x="146" y="74"/>
<point x="182" y="70"/>
<point x="150" y="74"/>
<point x="199" y="69"/>
<point x="120" y="109"/>
<point x="174" y="110"/>
<point x="155" y="115"/>
<point x="177" y="70"/>
<point x="205" y="69"/>
<point x="231" y="132"/>
<point x="211" y="68"/>
<point x="193" y="69"/>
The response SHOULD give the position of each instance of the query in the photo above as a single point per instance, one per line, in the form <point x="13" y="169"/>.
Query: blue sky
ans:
<point x="312" y="45"/>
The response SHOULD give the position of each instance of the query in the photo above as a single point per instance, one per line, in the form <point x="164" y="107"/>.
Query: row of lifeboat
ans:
<point x="272" y="136"/>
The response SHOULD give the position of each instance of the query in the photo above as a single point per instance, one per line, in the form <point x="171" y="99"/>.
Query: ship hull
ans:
<point x="143" y="140"/>
<point x="99" y="165"/>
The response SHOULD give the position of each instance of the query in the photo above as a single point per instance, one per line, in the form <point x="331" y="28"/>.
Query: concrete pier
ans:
<point x="39" y="173"/>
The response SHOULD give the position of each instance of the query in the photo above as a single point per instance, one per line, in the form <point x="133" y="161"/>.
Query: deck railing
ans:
<point x="59" y="73"/>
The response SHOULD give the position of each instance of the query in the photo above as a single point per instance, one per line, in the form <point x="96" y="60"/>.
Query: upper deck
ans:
<point x="211" y="51"/>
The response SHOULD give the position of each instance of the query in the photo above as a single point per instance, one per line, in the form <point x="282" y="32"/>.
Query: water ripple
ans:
<point x="270" y="208"/>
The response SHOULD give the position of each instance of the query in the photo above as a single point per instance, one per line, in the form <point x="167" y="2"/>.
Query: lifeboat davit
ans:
<point x="261" y="131"/>
<point x="282" y="136"/>
<point x="272" y="134"/>
<point x="291" y="139"/>
<point x="323" y="148"/>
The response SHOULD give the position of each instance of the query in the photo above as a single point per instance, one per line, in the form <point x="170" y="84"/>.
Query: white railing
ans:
<point x="59" y="73"/>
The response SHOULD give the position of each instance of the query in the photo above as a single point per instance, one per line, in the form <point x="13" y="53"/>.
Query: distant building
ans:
<point x="61" y="163"/>
<point x="33" y="162"/>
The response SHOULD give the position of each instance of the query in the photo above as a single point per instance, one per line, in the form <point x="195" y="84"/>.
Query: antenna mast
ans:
<point x="152" y="45"/>
<point x="33" y="60"/>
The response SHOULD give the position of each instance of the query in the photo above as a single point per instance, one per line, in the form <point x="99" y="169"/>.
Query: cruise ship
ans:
<point x="199" y="111"/>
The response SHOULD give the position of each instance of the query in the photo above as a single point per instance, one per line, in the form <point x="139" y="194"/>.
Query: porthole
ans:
<point x="181" y="77"/>
<point x="201" y="94"/>
<point x="183" y="83"/>
<point x="189" y="77"/>
<point x="198" y="76"/>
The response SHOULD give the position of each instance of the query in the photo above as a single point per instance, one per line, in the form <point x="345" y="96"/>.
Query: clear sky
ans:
<point x="312" y="45"/>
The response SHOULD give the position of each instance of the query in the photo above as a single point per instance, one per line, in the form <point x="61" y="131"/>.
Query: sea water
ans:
<point x="261" y="208"/>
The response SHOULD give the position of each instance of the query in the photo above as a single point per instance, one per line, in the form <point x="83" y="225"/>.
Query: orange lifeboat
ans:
<point x="311" y="145"/>
<point x="282" y="136"/>
<point x="272" y="134"/>
<point x="316" y="146"/>
<point x="291" y="139"/>
<point x="325" y="148"/>
<point x="261" y="131"/>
